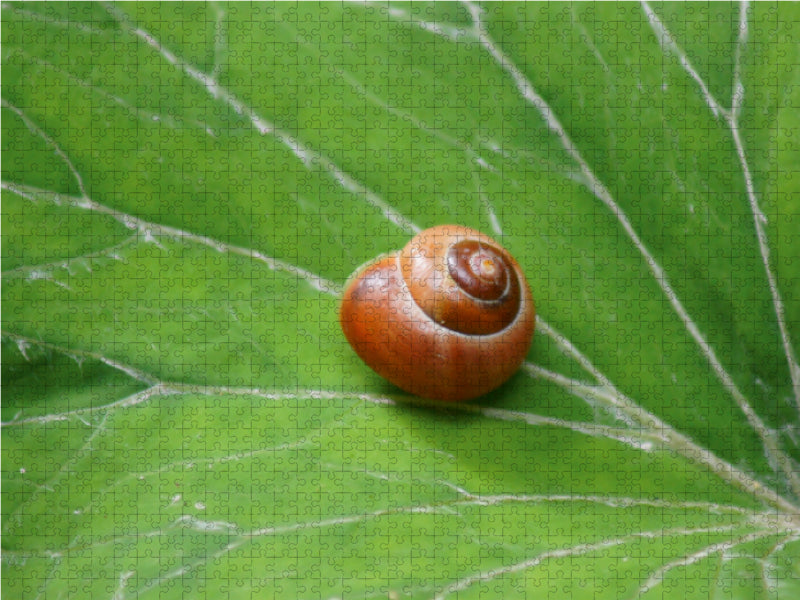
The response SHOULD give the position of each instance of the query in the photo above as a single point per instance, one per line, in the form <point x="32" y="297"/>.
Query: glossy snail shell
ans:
<point x="449" y="317"/>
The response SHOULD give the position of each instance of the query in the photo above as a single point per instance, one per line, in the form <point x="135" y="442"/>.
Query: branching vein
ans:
<point x="150" y="230"/>
<point x="731" y="116"/>
<point x="305" y="154"/>
<point x="769" y="438"/>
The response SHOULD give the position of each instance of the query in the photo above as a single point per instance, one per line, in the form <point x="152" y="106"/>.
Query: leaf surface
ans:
<point x="186" y="188"/>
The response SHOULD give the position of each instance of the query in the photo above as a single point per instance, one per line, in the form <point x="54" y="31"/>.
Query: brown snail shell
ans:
<point x="449" y="317"/>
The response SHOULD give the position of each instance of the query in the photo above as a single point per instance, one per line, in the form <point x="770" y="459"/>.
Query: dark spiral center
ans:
<point x="479" y="269"/>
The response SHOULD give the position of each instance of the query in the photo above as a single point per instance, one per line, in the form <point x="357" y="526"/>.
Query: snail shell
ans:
<point x="449" y="317"/>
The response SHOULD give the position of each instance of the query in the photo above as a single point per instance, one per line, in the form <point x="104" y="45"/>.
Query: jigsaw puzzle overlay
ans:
<point x="187" y="188"/>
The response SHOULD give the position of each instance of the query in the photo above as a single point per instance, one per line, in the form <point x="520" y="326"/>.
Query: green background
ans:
<point x="186" y="188"/>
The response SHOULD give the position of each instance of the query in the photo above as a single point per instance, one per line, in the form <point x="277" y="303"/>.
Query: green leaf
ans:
<point x="186" y="188"/>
